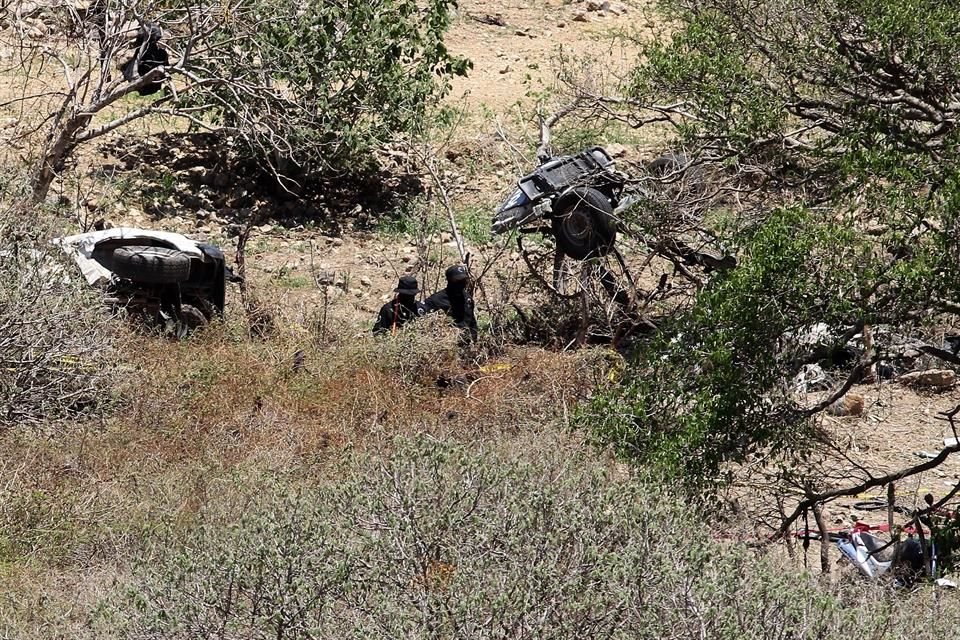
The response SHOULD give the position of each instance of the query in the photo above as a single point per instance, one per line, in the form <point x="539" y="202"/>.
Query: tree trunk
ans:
<point x="56" y="154"/>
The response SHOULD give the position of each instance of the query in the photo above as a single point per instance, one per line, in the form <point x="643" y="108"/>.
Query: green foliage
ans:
<point x="437" y="540"/>
<point x="863" y="85"/>
<point x="713" y="387"/>
<point x="353" y="75"/>
<point x="839" y="107"/>
<point x="474" y="224"/>
<point x="410" y="219"/>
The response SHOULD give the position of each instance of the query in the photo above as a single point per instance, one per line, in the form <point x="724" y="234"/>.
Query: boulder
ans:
<point x="930" y="379"/>
<point x="849" y="405"/>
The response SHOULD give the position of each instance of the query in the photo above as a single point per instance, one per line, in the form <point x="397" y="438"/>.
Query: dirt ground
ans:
<point x="534" y="41"/>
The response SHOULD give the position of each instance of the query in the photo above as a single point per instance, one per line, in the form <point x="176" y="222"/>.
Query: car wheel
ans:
<point x="151" y="265"/>
<point x="583" y="224"/>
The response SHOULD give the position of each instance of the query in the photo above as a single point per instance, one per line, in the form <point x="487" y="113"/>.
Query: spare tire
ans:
<point x="151" y="265"/>
<point x="583" y="224"/>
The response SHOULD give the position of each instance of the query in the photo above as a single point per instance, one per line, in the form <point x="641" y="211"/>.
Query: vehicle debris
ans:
<point x="171" y="281"/>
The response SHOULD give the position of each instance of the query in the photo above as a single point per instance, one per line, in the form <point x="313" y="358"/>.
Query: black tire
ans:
<point x="667" y="163"/>
<point x="583" y="224"/>
<point x="151" y="265"/>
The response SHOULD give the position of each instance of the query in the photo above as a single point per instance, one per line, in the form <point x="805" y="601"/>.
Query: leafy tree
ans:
<point x="301" y="85"/>
<point x="830" y="131"/>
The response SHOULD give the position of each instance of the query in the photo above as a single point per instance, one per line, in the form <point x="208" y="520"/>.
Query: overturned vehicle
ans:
<point x="173" y="282"/>
<point x="568" y="218"/>
<point x="577" y="195"/>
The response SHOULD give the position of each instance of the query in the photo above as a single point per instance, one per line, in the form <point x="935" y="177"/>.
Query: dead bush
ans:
<point x="55" y="336"/>
<point x="538" y="538"/>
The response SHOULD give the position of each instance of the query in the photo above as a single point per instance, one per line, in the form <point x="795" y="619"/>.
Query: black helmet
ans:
<point x="408" y="286"/>
<point x="457" y="273"/>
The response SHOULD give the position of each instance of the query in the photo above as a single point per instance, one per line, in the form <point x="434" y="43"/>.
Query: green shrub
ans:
<point x="354" y="75"/>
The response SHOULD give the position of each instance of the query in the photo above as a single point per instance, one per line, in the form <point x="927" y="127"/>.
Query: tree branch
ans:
<point x="880" y="481"/>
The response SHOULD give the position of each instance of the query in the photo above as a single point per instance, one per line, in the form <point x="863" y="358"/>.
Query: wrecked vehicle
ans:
<point x="578" y="195"/>
<point x="173" y="282"/>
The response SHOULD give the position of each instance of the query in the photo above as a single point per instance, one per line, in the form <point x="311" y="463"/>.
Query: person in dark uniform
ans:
<point x="455" y="300"/>
<point x="149" y="54"/>
<point x="403" y="308"/>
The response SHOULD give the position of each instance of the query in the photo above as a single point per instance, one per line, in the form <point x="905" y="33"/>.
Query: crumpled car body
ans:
<point x="168" y="277"/>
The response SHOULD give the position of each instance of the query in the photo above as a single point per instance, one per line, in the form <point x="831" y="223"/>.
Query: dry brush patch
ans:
<point x="77" y="504"/>
<point x="190" y="413"/>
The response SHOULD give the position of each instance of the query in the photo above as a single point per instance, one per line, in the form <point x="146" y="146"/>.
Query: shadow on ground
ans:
<point x="208" y="175"/>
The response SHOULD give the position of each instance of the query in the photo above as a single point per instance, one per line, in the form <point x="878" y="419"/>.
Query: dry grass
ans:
<point x="77" y="500"/>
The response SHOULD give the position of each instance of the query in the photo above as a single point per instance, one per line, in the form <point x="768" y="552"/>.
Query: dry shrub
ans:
<point x="193" y="415"/>
<point x="55" y="337"/>
<point x="536" y="537"/>
<point x="226" y="398"/>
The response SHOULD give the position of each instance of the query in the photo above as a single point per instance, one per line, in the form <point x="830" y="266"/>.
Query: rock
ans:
<point x="337" y="242"/>
<point x="561" y="24"/>
<point x="616" y="150"/>
<point x="357" y="293"/>
<point x="365" y="281"/>
<point x="594" y="5"/>
<point x="849" y="405"/>
<point x="445" y="237"/>
<point x="615" y="8"/>
<point x="506" y="69"/>
<point x="931" y="378"/>
<point x="580" y="16"/>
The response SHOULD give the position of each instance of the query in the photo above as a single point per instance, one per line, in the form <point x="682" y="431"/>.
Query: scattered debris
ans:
<point x="601" y="8"/>
<point x="812" y="377"/>
<point x="495" y="20"/>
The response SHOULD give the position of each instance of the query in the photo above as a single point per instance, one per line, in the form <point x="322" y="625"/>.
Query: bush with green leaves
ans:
<point x="829" y="126"/>
<point x="328" y="81"/>
<point x="439" y="540"/>
<point x="299" y="86"/>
